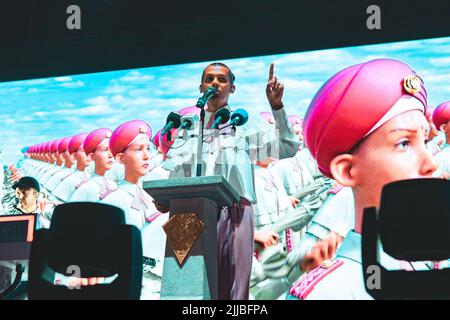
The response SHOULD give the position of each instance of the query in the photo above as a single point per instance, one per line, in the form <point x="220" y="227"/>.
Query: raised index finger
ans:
<point x="271" y="71"/>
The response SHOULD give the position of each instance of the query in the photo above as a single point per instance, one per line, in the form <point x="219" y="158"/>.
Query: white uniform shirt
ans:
<point x="233" y="154"/>
<point x="68" y="184"/>
<point x="294" y="173"/>
<point x="127" y="197"/>
<point x="93" y="190"/>
<point x="55" y="179"/>
<point x="272" y="201"/>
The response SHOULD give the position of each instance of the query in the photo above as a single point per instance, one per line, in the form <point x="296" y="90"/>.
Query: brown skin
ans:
<point x="218" y="77"/>
<point x="274" y="90"/>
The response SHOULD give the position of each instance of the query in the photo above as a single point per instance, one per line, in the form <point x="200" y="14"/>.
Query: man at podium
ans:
<point x="232" y="152"/>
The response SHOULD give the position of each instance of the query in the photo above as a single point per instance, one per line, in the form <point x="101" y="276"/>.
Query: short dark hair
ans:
<point x="220" y="64"/>
<point x="26" y="183"/>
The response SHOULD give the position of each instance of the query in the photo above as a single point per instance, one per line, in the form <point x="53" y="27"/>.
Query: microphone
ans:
<point x="239" y="117"/>
<point x="209" y="93"/>
<point x="173" y="121"/>
<point x="222" y="116"/>
<point x="188" y="121"/>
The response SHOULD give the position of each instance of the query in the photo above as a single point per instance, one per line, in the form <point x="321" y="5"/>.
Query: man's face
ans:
<point x="27" y="197"/>
<point x="68" y="158"/>
<point x="395" y="151"/>
<point x="81" y="157"/>
<point x="136" y="158"/>
<point x="103" y="157"/>
<point x="218" y="77"/>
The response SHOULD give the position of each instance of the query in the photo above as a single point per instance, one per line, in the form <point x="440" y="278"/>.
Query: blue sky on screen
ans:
<point x="40" y="110"/>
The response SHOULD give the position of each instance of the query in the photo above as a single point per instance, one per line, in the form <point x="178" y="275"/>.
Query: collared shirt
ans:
<point x="93" y="189"/>
<point x="125" y="197"/>
<point x="294" y="173"/>
<point x="68" y="184"/>
<point x="48" y="173"/>
<point x="233" y="154"/>
<point x="56" y="177"/>
<point x="272" y="201"/>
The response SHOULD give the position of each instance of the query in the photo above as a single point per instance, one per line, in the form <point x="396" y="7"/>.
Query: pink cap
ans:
<point x="63" y="143"/>
<point x="76" y="141"/>
<point x="190" y="110"/>
<point x="54" y="146"/>
<point x="441" y="114"/>
<point x="95" y="138"/>
<point x="294" y="119"/>
<point x="157" y="138"/>
<point x="47" y="147"/>
<point x="268" y="116"/>
<point x="126" y="133"/>
<point x="356" y="101"/>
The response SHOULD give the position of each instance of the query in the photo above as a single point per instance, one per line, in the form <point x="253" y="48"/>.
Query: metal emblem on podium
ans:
<point x="182" y="230"/>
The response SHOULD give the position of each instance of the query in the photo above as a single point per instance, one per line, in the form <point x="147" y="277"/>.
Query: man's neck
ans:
<point x="81" y="167"/>
<point x="99" y="171"/>
<point x="28" y="208"/>
<point x="131" y="179"/>
<point x="213" y="107"/>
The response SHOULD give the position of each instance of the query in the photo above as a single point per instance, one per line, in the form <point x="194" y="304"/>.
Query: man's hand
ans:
<point x="84" y="282"/>
<point x="294" y="201"/>
<point x="160" y="207"/>
<point x="323" y="250"/>
<point x="266" y="238"/>
<point x="274" y="90"/>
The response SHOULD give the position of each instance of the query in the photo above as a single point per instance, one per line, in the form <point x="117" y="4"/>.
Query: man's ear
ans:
<point x="232" y="88"/>
<point x="90" y="156"/>
<point x="119" y="158"/>
<point x="342" y="169"/>
<point x="444" y="127"/>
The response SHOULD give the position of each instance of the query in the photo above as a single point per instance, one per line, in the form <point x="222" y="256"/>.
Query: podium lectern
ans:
<point x="190" y="263"/>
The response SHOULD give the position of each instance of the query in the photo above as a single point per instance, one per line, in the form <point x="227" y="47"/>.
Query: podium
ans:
<point x="191" y="259"/>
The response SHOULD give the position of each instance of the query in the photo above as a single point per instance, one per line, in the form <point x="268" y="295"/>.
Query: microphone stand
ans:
<point x="200" y="143"/>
